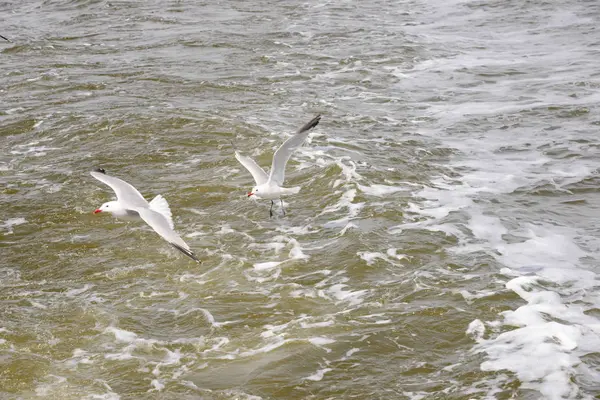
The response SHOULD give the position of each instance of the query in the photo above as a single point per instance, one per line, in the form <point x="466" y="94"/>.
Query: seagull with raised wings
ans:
<point x="270" y="187"/>
<point x="131" y="205"/>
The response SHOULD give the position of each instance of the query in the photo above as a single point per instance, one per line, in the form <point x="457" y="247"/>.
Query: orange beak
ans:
<point x="97" y="210"/>
<point x="250" y="194"/>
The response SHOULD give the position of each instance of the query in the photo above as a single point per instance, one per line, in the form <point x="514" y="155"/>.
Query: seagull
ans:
<point x="4" y="38"/>
<point x="131" y="205"/>
<point x="269" y="187"/>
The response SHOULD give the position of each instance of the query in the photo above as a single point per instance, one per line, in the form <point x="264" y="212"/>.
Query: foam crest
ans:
<point x="207" y="315"/>
<point x="318" y="375"/>
<point x="391" y="256"/>
<point x="320" y="341"/>
<point x="296" y="252"/>
<point x="323" y="324"/>
<point x="348" y="172"/>
<point x="272" y="268"/>
<point x="104" y="396"/>
<point x="47" y="389"/>
<point x="264" y="349"/>
<point x="346" y="201"/>
<point x="36" y="151"/>
<point x="267" y="265"/>
<point x="340" y="294"/>
<point x="9" y="223"/>
<point x="171" y="358"/>
<point x="545" y="350"/>
<point x="542" y="254"/>
<point x="542" y="247"/>
<point x="379" y="190"/>
<point x="132" y="341"/>
<point x="486" y="227"/>
<point x="157" y="385"/>
<point x="121" y="335"/>
<point x="75" y="292"/>
<point x="79" y="357"/>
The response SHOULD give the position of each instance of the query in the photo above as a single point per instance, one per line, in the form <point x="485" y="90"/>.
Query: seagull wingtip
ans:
<point x="187" y="252"/>
<point x="311" y="124"/>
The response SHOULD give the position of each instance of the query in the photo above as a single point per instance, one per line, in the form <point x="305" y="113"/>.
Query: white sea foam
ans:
<point x="121" y="335"/>
<point x="171" y="358"/>
<point x="47" y="389"/>
<point x="9" y="223"/>
<point x="350" y="352"/>
<point x="371" y="257"/>
<point x="157" y="385"/>
<point x="341" y="294"/>
<point x="345" y="201"/>
<point x="313" y="325"/>
<point x="131" y="340"/>
<point x="379" y="190"/>
<point x="75" y="292"/>
<point x="79" y="357"/>
<point x="267" y="265"/>
<point x="274" y="246"/>
<point x="545" y="351"/>
<point x="476" y="330"/>
<point x="210" y="318"/>
<point x="36" y="151"/>
<point x="272" y="268"/>
<point x="264" y="349"/>
<point x="317" y="376"/>
<point x="391" y="256"/>
<point x="321" y="341"/>
<point x="38" y="305"/>
<point x="543" y="256"/>
<point x="105" y="396"/>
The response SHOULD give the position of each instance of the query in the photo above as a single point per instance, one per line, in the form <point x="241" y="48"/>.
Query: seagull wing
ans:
<point x="160" y="224"/>
<point x="126" y="194"/>
<point x="283" y="153"/>
<point x="259" y="174"/>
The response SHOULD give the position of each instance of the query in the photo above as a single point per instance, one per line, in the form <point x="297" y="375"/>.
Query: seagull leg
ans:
<point x="271" y="210"/>
<point x="282" y="209"/>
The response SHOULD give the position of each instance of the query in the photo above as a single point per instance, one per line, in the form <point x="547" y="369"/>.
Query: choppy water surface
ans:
<point x="444" y="244"/>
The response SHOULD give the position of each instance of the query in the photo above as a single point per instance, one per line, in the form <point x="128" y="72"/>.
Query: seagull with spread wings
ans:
<point x="131" y="205"/>
<point x="270" y="187"/>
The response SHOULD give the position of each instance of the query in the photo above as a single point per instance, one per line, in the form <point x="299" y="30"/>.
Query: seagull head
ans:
<point x="109" y="207"/>
<point x="253" y="192"/>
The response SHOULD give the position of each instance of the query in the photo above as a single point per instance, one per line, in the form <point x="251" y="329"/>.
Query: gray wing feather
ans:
<point x="126" y="193"/>
<point x="259" y="174"/>
<point x="284" y="152"/>
<point x="160" y="224"/>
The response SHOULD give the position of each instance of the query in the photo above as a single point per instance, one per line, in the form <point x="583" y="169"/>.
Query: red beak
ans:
<point x="97" y="210"/>
<point x="250" y="194"/>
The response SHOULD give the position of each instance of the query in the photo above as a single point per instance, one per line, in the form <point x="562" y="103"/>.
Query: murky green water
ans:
<point x="444" y="244"/>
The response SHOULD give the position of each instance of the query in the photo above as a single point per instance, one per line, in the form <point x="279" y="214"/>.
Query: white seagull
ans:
<point x="269" y="187"/>
<point x="131" y="205"/>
